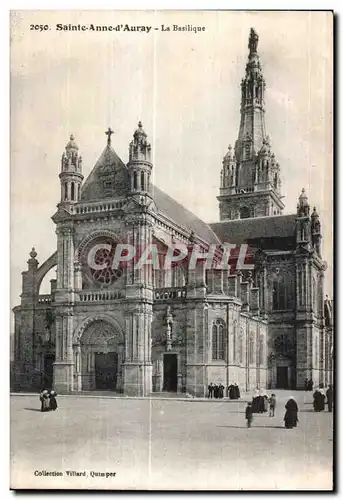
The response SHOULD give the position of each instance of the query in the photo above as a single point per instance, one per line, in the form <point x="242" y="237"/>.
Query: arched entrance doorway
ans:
<point x="99" y="357"/>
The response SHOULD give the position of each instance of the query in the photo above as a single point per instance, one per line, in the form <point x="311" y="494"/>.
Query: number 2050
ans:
<point x="39" y="27"/>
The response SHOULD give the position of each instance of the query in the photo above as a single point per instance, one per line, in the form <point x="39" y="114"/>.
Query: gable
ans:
<point x="108" y="179"/>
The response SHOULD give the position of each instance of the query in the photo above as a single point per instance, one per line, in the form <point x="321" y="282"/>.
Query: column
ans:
<point x="78" y="362"/>
<point x="64" y="362"/>
<point x="77" y="276"/>
<point x="320" y="319"/>
<point x="138" y="368"/>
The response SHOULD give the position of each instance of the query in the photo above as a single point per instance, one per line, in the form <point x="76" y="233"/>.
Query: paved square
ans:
<point x="168" y="444"/>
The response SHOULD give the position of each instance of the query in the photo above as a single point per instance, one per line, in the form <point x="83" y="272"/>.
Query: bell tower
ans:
<point x="250" y="177"/>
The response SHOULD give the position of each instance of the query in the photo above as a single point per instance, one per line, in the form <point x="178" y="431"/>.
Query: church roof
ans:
<point x="244" y="230"/>
<point x="179" y="214"/>
<point x="108" y="179"/>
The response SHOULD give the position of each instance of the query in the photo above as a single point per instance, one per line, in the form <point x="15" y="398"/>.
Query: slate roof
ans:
<point x="245" y="230"/>
<point x="182" y="216"/>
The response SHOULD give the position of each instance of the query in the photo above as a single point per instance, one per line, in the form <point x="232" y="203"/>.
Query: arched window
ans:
<point x="177" y="276"/>
<point x="315" y="352"/>
<point x="283" y="292"/>
<point x="275" y="181"/>
<point x="134" y="180"/>
<point x="221" y="352"/>
<point x="218" y="340"/>
<point x="78" y="192"/>
<point x="159" y="278"/>
<point x="252" y="359"/>
<point x="234" y="346"/>
<point x="240" y="347"/>
<point x="142" y="181"/>
<point x="65" y="190"/>
<point x="283" y="345"/>
<point x="261" y="351"/>
<point x="247" y="151"/>
<point x="314" y="295"/>
<point x="72" y="191"/>
<point x="214" y="342"/>
<point x="244" y="213"/>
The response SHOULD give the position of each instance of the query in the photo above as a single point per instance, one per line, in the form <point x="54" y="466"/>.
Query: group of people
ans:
<point x="260" y="404"/>
<point x="48" y="400"/>
<point x="233" y="391"/>
<point x="217" y="391"/>
<point x="319" y="396"/>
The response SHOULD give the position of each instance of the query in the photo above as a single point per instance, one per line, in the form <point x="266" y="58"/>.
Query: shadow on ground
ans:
<point x="252" y="427"/>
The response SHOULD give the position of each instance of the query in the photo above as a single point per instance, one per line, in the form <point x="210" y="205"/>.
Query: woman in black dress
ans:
<point x="291" y="415"/>
<point x="44" y="399"/>
<point x="53" y="402"/>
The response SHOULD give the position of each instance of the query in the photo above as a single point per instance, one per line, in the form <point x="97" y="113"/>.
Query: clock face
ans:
<point x="97" y="258"/>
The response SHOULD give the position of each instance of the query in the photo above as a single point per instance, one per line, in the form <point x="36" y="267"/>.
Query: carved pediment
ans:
<point x="139" y="203"/>
<point x="62" y="214"/>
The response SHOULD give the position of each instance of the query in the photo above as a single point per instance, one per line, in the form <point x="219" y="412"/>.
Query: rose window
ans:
<point x="97" y="264"/>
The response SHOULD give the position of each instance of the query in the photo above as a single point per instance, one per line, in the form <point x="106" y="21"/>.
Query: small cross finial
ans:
<point x="109" y="132"/>
<point x="140" y="124"/>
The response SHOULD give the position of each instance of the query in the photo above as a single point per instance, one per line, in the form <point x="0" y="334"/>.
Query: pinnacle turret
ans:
<point x="71" y="172"/>
<point x="140" y="165"/>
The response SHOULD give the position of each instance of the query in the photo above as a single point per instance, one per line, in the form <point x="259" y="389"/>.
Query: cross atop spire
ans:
<point x="109" y="132"/>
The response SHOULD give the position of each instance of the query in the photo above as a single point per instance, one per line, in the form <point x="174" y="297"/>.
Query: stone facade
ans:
<point x="138" y="330"/>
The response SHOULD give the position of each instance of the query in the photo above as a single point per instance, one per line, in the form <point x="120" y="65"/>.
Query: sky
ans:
<point x="185" y="87"/>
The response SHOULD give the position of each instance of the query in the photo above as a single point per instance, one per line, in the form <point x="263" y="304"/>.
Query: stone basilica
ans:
<point x="138" y="331"/>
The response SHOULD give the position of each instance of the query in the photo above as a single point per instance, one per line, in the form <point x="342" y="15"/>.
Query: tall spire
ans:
<point x="250" y="178"/>
<point x="252" y="130"/>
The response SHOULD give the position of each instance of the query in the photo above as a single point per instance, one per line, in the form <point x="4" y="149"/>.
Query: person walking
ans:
<point x="221" y="391"/>
<point x="319" y="399"/>
<point x="272" y="405"/>
<point x="53" y="402"/>
<point x="210" y="391"/>
<point x="248" y="414"/>
<point x="291" y="415"/>
<point x="237" y="391"/>
<point x="329" y="398"/>
<point x="44" y="399"/>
